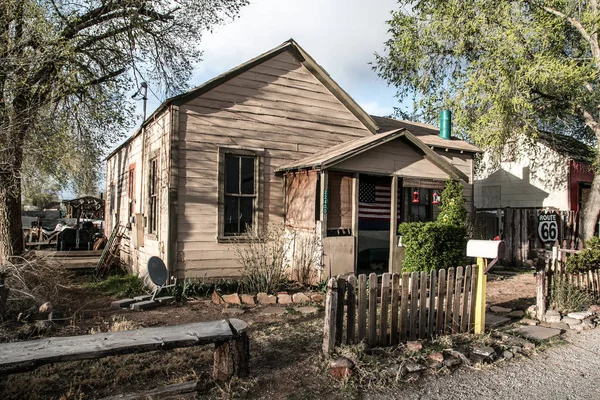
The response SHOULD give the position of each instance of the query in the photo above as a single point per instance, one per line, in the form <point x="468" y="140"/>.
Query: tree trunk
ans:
<point x="11" y="230"/>
<point x="591" y="210"/>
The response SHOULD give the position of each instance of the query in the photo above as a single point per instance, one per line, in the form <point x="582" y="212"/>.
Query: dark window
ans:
<point x="131" y="189"/>
<point x="112" y="197"/>
<point x="240" y="194"/>
<point x="421" y="210"/>
<point x="153" y="198"/>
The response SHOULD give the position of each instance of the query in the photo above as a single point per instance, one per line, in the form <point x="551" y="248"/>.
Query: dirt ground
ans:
<point x="286" y="350"/>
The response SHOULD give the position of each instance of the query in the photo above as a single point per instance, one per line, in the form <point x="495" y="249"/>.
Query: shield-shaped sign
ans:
<point x="548" y="226"/>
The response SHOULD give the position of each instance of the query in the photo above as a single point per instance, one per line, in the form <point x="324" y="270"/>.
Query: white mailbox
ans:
<point x="493" y="249"/>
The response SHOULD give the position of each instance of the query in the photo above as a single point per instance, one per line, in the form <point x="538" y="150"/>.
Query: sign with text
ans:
<point x="548" y="226"/>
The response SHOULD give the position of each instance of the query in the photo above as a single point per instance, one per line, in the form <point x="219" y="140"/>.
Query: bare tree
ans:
<point x="65" y="66"/>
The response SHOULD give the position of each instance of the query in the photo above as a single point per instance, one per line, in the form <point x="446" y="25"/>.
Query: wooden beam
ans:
<point x="355" y="186"/>
<point x="393" y="223"/>
<point x="324" y="202"/>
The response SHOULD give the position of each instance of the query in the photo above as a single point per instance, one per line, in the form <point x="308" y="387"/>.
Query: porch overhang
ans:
<point x="337" y="154"/>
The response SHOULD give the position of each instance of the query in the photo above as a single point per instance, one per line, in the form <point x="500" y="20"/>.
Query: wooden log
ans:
<point x="232" y="358"/>
<point x="414" y="301"/>
<point x="385" y="303"/>
<point x="351" y="320"/>
<point x="449" y="300"/>
<point x="474" y="277"/>
<point x="25" y="356"/>
<point x="404" y="301"/>
<point x="464" y="314"/>
<point x="372" y="309"/>
<point x="395" y="300"/>
<point x="339" y="316"/>
<point x="331" y="301"/>
<point x="362" y="307"/>
<point x="423" y="305"/>
<point x="431" y="303"/>
<point x="439" y="324"/>
<point x="456" y="302"/>
<point x="540" y="282"/>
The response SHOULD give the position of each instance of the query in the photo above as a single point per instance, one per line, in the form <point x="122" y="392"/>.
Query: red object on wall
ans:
<point x="579" y="172"/>
<point x="415" y="196"/>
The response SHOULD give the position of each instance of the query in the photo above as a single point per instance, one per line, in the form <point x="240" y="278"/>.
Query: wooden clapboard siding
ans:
<point x="157" y="137"/>
<point x="278" y="106"/>
<point x="395" y="157"/>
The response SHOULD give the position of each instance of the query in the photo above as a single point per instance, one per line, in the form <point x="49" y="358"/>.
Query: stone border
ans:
<point x="282" y="298"/>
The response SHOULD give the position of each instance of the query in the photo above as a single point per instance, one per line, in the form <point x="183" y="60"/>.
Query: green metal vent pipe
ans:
<point x="445" y="124"/>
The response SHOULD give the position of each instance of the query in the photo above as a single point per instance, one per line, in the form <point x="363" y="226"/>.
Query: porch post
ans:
<point x="324" y="202"/>
<point x="393" y="222"/>
<point x="355" y="183"/>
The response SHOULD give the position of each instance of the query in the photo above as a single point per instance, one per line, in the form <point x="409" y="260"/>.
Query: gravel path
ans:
<point x="569" y="371"/>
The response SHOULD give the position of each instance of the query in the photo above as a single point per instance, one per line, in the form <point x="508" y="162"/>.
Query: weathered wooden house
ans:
<point x="513" y="186"/>
<point x="275" y="140"/>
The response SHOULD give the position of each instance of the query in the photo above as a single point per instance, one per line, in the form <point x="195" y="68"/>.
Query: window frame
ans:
<point x="153" y="195"/>
<point x="257" y="217"/>
<point x="131" y="190"/>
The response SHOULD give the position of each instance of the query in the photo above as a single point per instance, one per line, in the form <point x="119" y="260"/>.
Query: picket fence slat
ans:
<point x="404" y="306"/>
<point x="385" y="303"/>
<point x="395" y="303"/>
<point x="475" y="277"/>
<point x="351" y="321"/>
<point x="362" y="307"/>
<point x="440" y="303"/>
<point x="372" y="309"/>
<point x="414" y="302"/>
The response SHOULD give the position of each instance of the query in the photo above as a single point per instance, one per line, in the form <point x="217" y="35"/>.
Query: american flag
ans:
<point x="374" y="201"/>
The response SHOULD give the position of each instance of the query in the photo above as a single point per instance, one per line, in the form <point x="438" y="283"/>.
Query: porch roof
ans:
<point x="344" y="151"/>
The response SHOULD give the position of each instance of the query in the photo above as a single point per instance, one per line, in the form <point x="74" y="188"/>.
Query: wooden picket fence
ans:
<point x="556" y="270"/>
<point x="395" y="308"/>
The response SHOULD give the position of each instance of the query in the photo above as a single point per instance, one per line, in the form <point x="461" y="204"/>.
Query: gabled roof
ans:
<point x="428" y="134"/>
<point x="568" y="146"/>
<point x="299" y="53"/>
<point x="344" y="151"/>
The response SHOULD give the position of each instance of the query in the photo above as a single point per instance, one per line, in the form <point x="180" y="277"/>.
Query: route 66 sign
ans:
<point x="548" y="226"/>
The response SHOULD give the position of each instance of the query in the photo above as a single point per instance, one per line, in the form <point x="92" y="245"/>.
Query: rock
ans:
<point x="273" y="310"/>
<point x="46" y="307"/>
<point x="437" y="357"/>
<point x="144" y="305"/>
<point x="588" y="324"/>
<point x="482" y="354"/>
<point x="529" y="321"/>
<point x="411" y="367"/>
<point x="516" y="314"/>
<point x="307" y="310"/>
<point x="300" y="298"/>
<point x="232" y="311"/>
<point x="232" y="299"/>
<point x="579" y="315"/>
<point x="507" y="355"/>
<point x="341" y="368"/>
<point x="493" y="320"/>
<point x="452" y="362"/>
<point x="500" y="310"/>
<point x="317" y="297"/>
<point x="248" y="299"/>
<point x="537" y="332"/>
<point x="570" y="321"/>
<point x="532" y="310"/>
<point x="284" y="298"/>
<point x="552" y="316"/>
<point x="595" y="308"/>
<point x="517" y="341"/>
<point x="216" y="298"/>
<point x="414" y="346"/>
<point x="559" y="325"/>
<point x="263" y="298"/>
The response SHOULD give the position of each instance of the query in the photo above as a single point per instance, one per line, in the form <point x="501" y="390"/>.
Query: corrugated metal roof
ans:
<point x="427" y="134"/>
<point x="336" y="154"/>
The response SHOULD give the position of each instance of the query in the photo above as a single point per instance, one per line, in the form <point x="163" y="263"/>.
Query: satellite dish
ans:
<point x="157" y="270"/>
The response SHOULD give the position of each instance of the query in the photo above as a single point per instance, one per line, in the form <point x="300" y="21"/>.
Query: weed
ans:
<point x="120" y="285"/>
<point x="194" y="288"/>
<point x="567" y="297"/>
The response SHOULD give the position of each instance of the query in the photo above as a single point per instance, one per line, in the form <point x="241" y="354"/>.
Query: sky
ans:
<point x="341" y="35"/>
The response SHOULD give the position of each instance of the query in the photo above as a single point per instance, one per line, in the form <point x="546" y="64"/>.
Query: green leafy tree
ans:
<point x="65" y="69"/>
<point x="505" y="68"/>
<point x="452" y="209"/>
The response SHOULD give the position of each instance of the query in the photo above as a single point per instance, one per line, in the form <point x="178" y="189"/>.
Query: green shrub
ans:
<point x="452" y="209"/>
<point x="586" y="259"/>
<point x="568" y="298"/>
<point x="432" y="245"/>
<point x="120" y="285"/>
<point x="194" y="288"/>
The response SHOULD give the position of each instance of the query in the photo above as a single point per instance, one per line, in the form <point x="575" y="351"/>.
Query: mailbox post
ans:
<point x="483" y="250"/>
